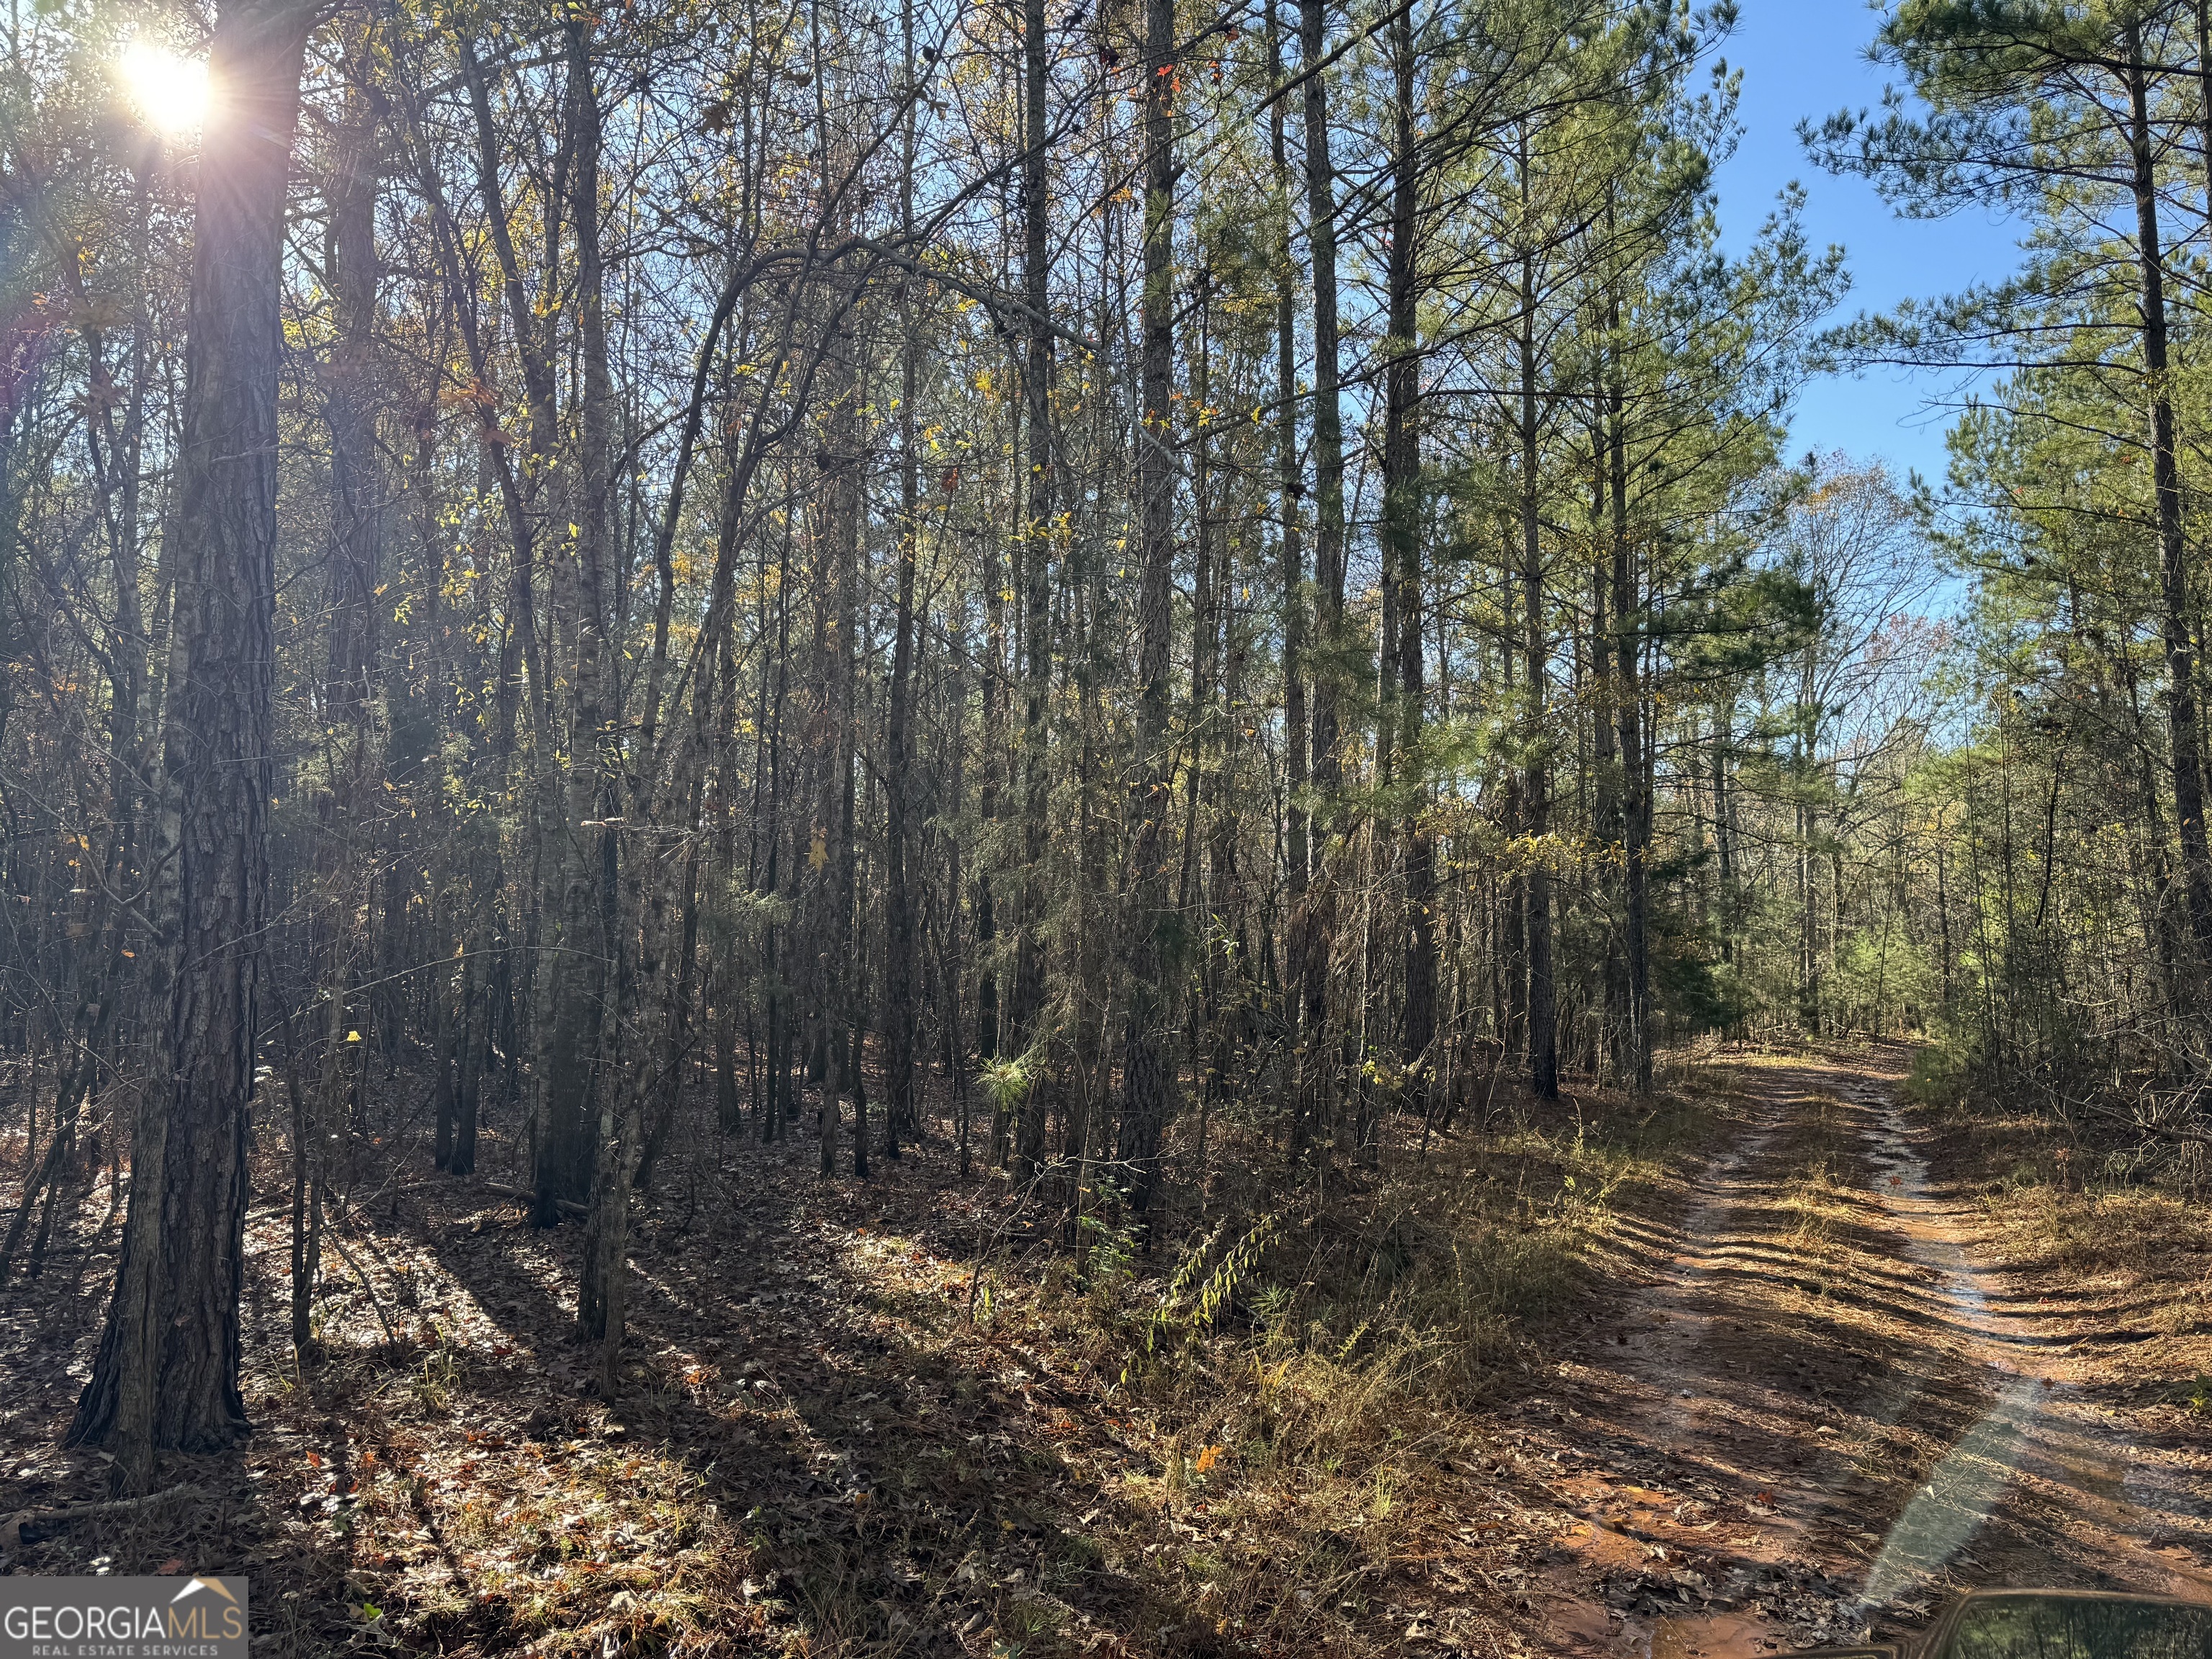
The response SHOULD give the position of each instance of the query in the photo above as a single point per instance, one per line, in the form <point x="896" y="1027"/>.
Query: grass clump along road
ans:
<point x="1056" y="829"/>
<point x="1570" y="1372"/>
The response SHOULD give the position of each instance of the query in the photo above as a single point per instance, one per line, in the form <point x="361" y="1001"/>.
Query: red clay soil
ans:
<point x="1828" y="1410"/>
<point x="1803" y="1403"/>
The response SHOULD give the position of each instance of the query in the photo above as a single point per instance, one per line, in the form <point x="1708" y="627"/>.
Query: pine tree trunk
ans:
<point x="1316" y="1095"/>
<point x="2182" y="720"/>
<point x="167" y="1372"/>
<point x="901" y="1119"/>
<point x="1628" y="711"/>
<point x="1401" y="513"/>
<point x="1605" y="780"/>
<point x="574" y="979"/>
<point x="1039" y="538"/>
<point x="1536" y="777"/>
<point x="848" y="998"/>
<point x="1724" y="836"/>
<point x="1290" y="487"/>
<point x="475" y="1057"/>
<point x="1146" y="1079"/>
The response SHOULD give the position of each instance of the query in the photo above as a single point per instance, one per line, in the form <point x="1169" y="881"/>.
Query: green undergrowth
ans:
<point x="1309" y="1366"/>
<point x="1941" y="1079"/>
<point x="1430" y="1273"/>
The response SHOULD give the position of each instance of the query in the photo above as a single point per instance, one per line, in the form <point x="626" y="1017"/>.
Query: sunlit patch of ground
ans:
<point x="1596" y="1377"/>
<point x="843" y="1431"/>
<point x="2114" y="1265"/>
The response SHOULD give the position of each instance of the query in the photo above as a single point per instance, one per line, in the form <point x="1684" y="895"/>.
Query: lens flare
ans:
<point x="169" y="91"/>
<point x="1949" y="1508"/>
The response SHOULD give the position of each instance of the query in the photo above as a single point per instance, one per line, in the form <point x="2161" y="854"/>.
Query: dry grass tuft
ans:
<point x="2112" y="1229"/>
<point x="2120" y="1239"/>
<point x="1311" y="1378"/>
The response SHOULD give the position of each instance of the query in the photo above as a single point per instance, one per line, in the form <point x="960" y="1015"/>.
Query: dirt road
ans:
<point x="1822" y="1412"/>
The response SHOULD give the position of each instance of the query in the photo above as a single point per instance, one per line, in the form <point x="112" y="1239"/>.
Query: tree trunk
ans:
<point x="1039" y="538"/>
<point x="167" y="1373"/>
<point x="1628" y="711"/>
<point x="1145" y="1080"/>
<point x="847" y="998"/>
<point x="1605" y="780"/>
<point x="2172" y="549"/>
<point x="1401" y="532"/>
<point x="1724" y="834"/>
<point x="1327" y="656"/>
<point x="574" y="974"/>
<point x="1536" y="776"/>
<point x="1290" y="475"/>
<point x="902" y="1119"/>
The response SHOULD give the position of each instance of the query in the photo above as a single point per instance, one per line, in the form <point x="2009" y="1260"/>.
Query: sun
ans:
<point x="170" y="91"/>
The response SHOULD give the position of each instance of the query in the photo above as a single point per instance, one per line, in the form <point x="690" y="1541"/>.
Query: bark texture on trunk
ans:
<point x="1038" y="539"/>
<point x="2172" y="549"/>
<point x="167" y="1373"/>
<point x="1298" y="940"/>
<point x="572" y="1034"/>
<point x="1146" y="1076"/>
<point x="1628" y="715"/>
<point x="1536" y="774"/>
<point x="1325" y="653"/>
<point x="1401" y="534"/>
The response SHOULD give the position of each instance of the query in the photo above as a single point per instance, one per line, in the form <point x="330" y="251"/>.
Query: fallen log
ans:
<point x="566" y="1205"/>
<point x="11" y="1529"/>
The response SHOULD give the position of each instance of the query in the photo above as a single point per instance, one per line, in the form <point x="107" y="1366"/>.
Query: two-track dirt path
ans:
<point x="1824" y="1413"/>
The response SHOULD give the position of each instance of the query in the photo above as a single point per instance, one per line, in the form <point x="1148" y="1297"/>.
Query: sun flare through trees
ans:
<point x="1174" y="606"/>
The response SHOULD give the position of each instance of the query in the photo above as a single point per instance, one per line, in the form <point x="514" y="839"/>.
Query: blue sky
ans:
<point x="1807" y="57"/>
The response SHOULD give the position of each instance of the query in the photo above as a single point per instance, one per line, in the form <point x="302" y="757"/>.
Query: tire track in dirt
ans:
<point x="2051" y="1483"/>
<point x="1820" y="1415"/>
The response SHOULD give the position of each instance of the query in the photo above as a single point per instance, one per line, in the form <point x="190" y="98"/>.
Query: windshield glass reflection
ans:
<point x="2075" y="1627"/>
<point x="1950" y="1507"/>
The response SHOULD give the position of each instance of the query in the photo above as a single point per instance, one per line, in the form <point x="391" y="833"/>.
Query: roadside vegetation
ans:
<point x="885" y="828"/>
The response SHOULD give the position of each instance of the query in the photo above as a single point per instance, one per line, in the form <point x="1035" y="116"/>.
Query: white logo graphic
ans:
<point x="215" y="1584"/>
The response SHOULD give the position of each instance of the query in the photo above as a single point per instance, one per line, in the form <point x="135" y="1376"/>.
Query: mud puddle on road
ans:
<point x="1706" y="1639"/>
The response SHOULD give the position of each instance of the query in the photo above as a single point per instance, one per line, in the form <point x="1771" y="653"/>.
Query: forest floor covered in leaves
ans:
<point x="1594" y="1376"/>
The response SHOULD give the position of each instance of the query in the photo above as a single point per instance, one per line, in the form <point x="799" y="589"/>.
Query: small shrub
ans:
<point x="1939" y="1075"/>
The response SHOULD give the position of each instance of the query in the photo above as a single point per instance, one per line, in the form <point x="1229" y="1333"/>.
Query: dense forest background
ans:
<point x="1101" y="582"/>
